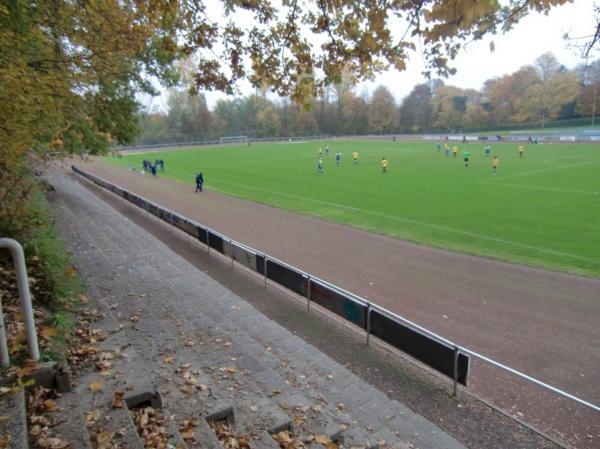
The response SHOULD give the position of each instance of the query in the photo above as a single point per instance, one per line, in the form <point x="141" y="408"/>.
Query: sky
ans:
<point x="533" y="36"/>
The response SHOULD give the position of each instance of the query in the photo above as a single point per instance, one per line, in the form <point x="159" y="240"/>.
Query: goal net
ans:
<point x="234" y="139"/>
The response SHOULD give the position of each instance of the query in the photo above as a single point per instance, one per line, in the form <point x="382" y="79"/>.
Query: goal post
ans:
<point x="234" y="139"/>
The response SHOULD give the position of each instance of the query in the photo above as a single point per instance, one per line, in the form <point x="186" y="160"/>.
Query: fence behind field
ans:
<point x="528" y="135"/>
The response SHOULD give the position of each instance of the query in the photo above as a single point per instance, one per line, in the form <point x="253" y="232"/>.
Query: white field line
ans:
<point x="550" y="189"/>
<point x="527" y="173"/>
<point x="406" y="220"/>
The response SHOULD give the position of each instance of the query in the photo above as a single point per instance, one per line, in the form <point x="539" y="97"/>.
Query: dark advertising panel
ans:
<point x="192" y="229"/>
<point x="202" y="234"/>
<point x="215" y="241"/>
<point x="423" y="348"/>
<point x="260" y="264"/>
<point x="175" y="220"/>
<point x="153" y="209"/>
<point x="340" y="304"/>
<point x="287" y="277"/>
<point x="241" y="255"/>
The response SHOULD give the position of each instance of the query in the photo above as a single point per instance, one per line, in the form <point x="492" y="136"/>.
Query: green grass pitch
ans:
<point x="542" y="209"/>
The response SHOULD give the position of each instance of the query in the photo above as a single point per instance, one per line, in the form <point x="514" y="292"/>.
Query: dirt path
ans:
<point x="541" y="322"/>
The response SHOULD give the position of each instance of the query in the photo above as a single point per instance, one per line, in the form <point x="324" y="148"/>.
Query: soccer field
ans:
<point x="542" y="209"/>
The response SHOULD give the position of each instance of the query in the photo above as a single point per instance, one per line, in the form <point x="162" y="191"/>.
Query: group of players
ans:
<point x="338" y="160"/>
<point x="467" y="155"/>
<point x="149" y="167"/>
<point x="446" y="147"/>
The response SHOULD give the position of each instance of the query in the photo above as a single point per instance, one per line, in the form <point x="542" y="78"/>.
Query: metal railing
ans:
<point x="456" y="348"/>
<point x="219" y="142"/>
<point x="540" y="135"/>
<point x="23" y="286"/>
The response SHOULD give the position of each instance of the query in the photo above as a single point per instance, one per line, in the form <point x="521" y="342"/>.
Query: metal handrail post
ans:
<point x="231" y="249"/>
<point x="3" y="343"/>
<point x="455" y="373"/>
<point x="265" y="268"/>
<point x="23" y="285"/>
<point x="308" y="294"/>
<point x="368" y="323"/>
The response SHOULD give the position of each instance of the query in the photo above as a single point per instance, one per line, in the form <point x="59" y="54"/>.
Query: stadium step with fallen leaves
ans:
<point x="166" y="357"/>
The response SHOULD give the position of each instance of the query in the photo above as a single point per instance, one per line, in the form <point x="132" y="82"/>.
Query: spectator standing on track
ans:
<point x="153" y="170"/>
<point x="162" y="165"/>
<point x="338" y="158"/>
<point x="384" y="165"/>
<point x="199" y="181"/>
<point x="495" y="163"/>
<point x="355" y="157"/>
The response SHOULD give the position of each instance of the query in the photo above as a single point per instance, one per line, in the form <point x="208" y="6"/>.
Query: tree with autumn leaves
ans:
<point x="70" y="70"/>
<point x="69" y="73"/>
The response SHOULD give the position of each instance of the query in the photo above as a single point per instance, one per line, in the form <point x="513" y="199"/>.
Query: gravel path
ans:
<point x="541" y="322"/>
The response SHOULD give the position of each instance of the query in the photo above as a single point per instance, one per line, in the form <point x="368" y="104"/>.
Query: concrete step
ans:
<point x="13" y="420"/>
<point x="259" y="415"/>
<point x="204" y="437"/>
<point x="152" y="399"/>
<point x="71" y="425"/>
<point x="308" y="416"/>
<point x="264" y="441"/>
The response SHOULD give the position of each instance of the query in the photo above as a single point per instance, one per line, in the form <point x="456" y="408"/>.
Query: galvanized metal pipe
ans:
<point x="23" y="284"/>
<point x="3" y="345"/>
<point x="455" y="373"/>
<point x="308" y="294"/>
<point x="368" y="323"/>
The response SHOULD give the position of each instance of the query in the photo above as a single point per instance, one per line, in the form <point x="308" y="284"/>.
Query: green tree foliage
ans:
<point x="299" y="47"/>
<point x="505" y="95"/>
<point x="188" y="117"/>
<point x="383" y="113"/>
<point x="449" y="106"/>
<point x="544" y="99"/>
<point x="589" y="78"/>
<point x="416" y="110"/>
<point x="520" y="97"/>
<point x="68" y="75"/>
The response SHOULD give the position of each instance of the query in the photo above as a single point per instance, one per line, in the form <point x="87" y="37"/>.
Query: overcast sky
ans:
<point x="532" y="37"/>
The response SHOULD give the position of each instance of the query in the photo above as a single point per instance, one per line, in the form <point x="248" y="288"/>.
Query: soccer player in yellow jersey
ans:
<point x="384" y="165"/>
<point x="355" y="156"/>
<point x="495" y="163"/>
<point x="521" y="150"/>
<point x="454" y="150"/>
<point x="320" y="152"/>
